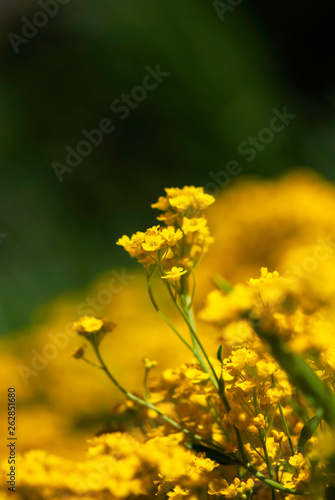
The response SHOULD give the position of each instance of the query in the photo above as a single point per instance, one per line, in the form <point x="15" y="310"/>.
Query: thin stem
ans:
<point x="193" y="290"/>
<point x="198" y="349"/>
<point x="254" y="448"/>
<point x="188" y="316"/>
<point x="91" y="363"/>
<point x="266" y="455"/>
<point x="147" y="404"/>
<point x="272" y="483"/>
<point x="146" y="373"/>
<point x="287" y="432"/>
<point x="166" y="320"/>
<point x="170" y="421"/>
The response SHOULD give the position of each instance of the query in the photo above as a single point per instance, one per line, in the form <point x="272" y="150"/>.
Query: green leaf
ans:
<point x="218" y="456"/>
<point x="221" y="385"/>
<point x="308" y="430"/>
<point x="219" y="354"/>
<point x="223" y="284"/>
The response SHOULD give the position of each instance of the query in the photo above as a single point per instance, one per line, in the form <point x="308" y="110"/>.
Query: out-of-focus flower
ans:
<point x="174" y="274"/>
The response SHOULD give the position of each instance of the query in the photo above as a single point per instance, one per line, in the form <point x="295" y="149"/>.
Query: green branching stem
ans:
<point x="164" y="318"/>
<point x="150" y="406"/>
<point x="270" y="482"/>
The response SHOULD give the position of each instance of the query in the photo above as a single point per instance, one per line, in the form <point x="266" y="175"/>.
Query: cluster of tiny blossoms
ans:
<point x="254" y="422"/>
<point x="176" y="247"/>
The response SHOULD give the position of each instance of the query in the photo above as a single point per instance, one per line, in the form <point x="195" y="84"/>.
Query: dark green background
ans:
<point x="225" y="78"/>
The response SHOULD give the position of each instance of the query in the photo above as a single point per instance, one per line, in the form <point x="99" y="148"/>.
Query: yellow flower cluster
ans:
<point x="278" y="304"/>
<point x="117" y="466"/>
<point x="254" y="422"/>
<point x="178" y="247"/>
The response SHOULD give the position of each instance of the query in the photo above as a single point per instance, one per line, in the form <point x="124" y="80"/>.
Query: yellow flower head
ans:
<point x="220" y="309"/>
<point x="148" y="363"/>
<point x="153" y="231"/>
<point x="152" y="243"/>
<point x="174" y="274"/>
<point x="88" y="324"/>
<point x="132" y="245"/>
<point x="94" y="329"/>
<point x="162" y="204"/>
<point x="185" y="199"/>
<point x="193" y="224"/>
<point x="185" y="230"/>
<point x="182" y="203"/>
<point x="171" y="235"/>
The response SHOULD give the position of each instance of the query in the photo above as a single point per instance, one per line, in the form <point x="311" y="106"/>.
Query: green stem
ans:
<point x="164" y="318"/>
<point x="187" y="313"/>
<point x="287" y="432"/>
<point x="142" y="402"/>
<point x="266" y="455"/>
<point x="170" y="421"/>
<point x="145" y="385"/>
<point x="189" y="318"/>
<point x="271" y="482"/>
<point x="91" y="363"/>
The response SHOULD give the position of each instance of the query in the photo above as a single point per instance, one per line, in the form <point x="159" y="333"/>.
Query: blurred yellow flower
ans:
<point x="174" y="274"/>
<point x="88" y="324"/>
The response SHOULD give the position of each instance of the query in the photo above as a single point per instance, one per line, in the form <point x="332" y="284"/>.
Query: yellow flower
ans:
<point x="303" y="468"/>
<point x="196" y="376"/>
<point x="266" y="367"/>
<point x="298" y="461"/>
<point x="94" y="329"/>
<point x="161" y="204"/>
<point x="152" y="243"/>
<point x="222" y="488"/>
<point x="88" y="324"/>
<point x="168" y="217"/>
<point x="264" y="276"/>
<point x="203" y="200"/>
<point x="148" y="363"/>
<point x="189" y="197"/>
<point x="177" y="493"/>
<point x="221" y="309"/>
<point x="193" y="224"/>
<point x="259" y="421"/>
<point x="152" y="231"/>
<point x="132" y="245"/>
<point x="171" y="235"/>
<point x="174" y="274"/>
<point x="182" y="202"/>
<point x="278" y="436"/>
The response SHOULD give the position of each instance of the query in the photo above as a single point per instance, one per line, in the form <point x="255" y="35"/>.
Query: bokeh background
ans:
<point x="57" y="239"/>
<point x="225" y="78"/>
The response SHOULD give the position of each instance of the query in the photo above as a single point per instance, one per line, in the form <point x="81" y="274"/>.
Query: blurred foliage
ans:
<point x="223" y="84"/>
